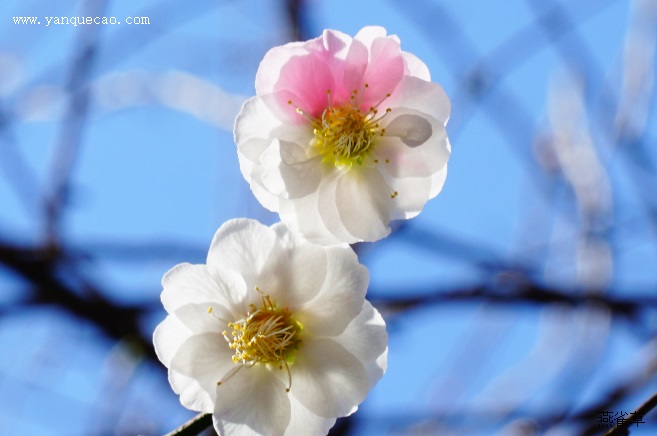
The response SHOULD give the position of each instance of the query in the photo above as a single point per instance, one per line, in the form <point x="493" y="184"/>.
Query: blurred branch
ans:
<point x="623" y="428"/>
<point x="509" y="287"/>
<point x="74" y="120"/>
<point x="297" y="21"/>
<point x="56" y="282"/>
<point x="194" y="426"/>
<point x="18" y="174"/>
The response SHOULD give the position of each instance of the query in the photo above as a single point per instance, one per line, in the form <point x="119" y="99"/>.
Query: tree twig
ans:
<point x="623" y="427"/>
<point x="194" y="426"/>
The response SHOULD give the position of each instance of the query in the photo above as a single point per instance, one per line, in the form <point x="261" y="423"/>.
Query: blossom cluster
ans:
<point x="273" y="334"/>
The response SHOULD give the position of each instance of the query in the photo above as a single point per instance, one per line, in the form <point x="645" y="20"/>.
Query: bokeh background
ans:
<point x="521" y="301"/>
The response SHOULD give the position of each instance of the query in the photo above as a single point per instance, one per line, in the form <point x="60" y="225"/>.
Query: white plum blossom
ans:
<point x="273" y="334"/>
<point x="344" y="134"/>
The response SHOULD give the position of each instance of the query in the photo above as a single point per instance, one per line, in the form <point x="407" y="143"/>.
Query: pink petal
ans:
<point x="331" y="45"/>
<point x="384" y="72"/>
<point x="355" y="67"/>
<point x="302" y="74"/>
<point x="306" y="80"/>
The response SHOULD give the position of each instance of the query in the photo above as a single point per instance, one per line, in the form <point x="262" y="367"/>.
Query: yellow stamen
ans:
<point x="344" y="134"/>
<point x="268" y="335"/>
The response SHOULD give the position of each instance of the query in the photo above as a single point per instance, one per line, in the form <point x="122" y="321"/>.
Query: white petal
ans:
<point x="368" y="34"/>
<point x="271" y="175"/>
<point x="367" y="339"/>
<point x="438" y="181"/>
<point x="168" y="336"/>
<point x="412" y="195"/>
<point x="267" y="199"/>
<point x="242" y="245"/>
<point x="252" y="128"/>
<point x="174" y="335"/>
<point x="340" y="299"/>
<point x="186" y="283"/>
<point x="252" y="402"/>
<point x="423" y="96"/>
<point x="328" y="210"/>
<point x="208" y="317"/>
<point x="255" y="130"/>
<point x="428" y="161"/>
<point x="289" y="172"/>
<point x="413" y="129"/>
<point x="302" y="216"/>
<point x="191" y="394"/>
<point x="288" y="239"/>
<point x="305" y="422"/>
<point x="415" y="67"/>
<point x="253" y="250"/>
<point x="327" y="379"/>
<point x="202" y="360"/>
<point x="414" y="145"/>
<point x="187" y="321"/>
<point x="316" y="216"/>
<point x="307" y="265"/>
<point x="363" y="202"/>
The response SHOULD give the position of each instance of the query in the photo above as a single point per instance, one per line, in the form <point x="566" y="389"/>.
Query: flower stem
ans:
<point x="623" y="427"/>
<point x="194" y="426"/>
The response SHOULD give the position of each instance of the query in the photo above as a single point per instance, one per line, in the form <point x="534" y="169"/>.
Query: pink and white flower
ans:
<point x="273" y="334"/>
<point x="344" y="135"/>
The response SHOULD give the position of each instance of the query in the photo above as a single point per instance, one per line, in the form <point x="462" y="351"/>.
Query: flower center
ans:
<point x="266" y="335"/>
<point x="345" y="135"/>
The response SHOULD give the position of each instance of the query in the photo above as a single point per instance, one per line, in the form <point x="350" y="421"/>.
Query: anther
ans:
<point x="300" y="111"/>
<point x="329" y="98"/>
<point x="230" y="374"/>
<point x="289" y="378"/>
